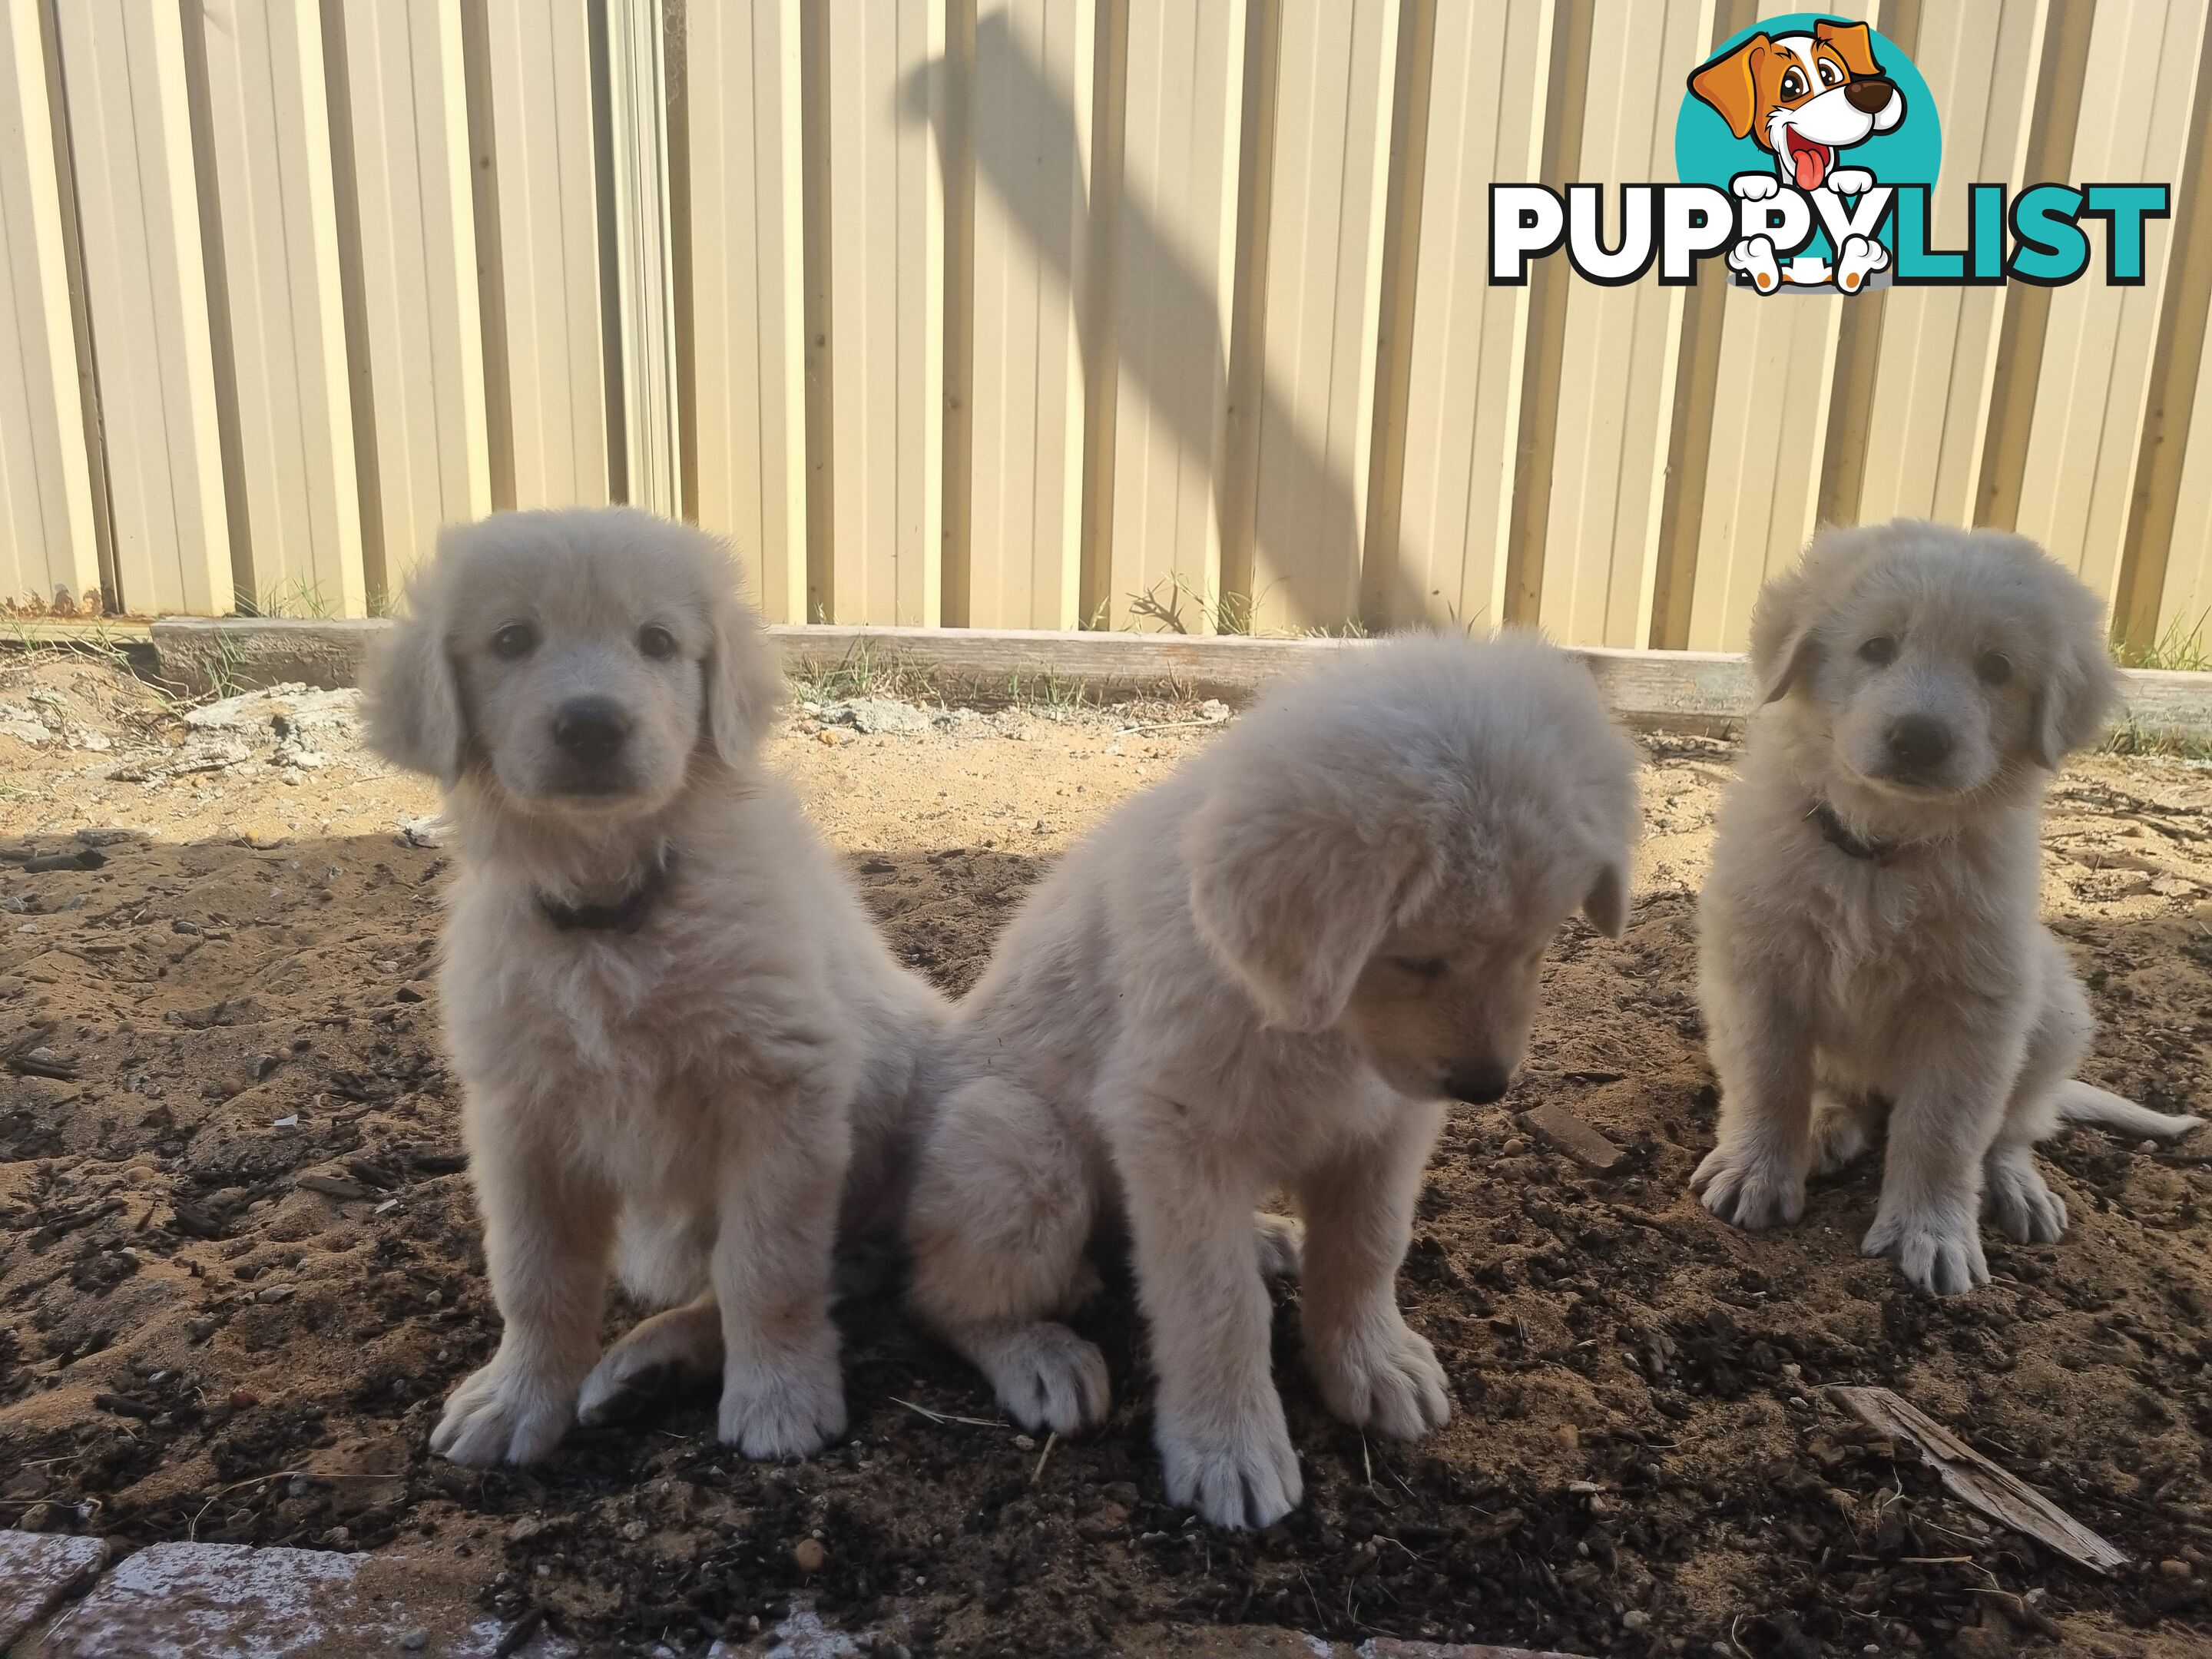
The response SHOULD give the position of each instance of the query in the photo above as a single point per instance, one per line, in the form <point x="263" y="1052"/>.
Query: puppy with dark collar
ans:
<point x="685" y="1053"/>
<point x="1869" y="955"/>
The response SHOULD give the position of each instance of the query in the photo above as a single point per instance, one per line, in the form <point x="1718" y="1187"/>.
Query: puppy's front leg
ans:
<point x="547" y="1229"/>
<point x="1950" y="1104"/>
<point x="1373" y="1371"/>
<point x="1218" y="1421"/>
<point x="782" y="1394"/>
<point x="1755" y="1176"/>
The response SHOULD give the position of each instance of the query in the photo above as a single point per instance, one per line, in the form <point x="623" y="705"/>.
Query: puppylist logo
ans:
<point x="1807" y="151"/>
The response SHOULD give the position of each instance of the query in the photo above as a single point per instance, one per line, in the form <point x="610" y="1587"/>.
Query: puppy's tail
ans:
<point x="2084" y="1102"/>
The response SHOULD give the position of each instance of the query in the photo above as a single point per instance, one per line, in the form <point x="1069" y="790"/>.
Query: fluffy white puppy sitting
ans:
<point x="1268" y="973"/>
<point x="1869" y="952"/>
<point x="683" y="1044"/>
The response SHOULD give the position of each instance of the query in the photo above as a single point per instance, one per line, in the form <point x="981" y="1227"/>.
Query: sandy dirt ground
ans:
<point x="238" y="1266"/>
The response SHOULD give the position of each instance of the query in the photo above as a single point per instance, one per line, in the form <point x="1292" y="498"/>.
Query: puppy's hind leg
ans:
<point x="2014" y="1195"/>
<point x="1282" y="1244"/>
<point x="1844" y="1126"/>
<point x="683" y="1342"/>
<point x="999" y="1217"/>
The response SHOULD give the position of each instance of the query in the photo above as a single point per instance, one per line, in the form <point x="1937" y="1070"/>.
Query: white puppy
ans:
<point x="1869" y="947"/>
<point x="1268" y="973"/>
<point x="680" y="1038"/>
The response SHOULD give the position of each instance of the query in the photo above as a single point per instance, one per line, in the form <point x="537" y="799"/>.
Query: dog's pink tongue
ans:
<point x="1812" y="168"/>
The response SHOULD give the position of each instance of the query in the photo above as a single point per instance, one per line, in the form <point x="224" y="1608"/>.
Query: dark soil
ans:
<point x="216" y="1322"/>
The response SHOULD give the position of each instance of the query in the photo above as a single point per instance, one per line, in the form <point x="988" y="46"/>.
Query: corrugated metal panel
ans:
<point x="130" y="125"/>
<point x="747" y="293"/>
<point x="2185" y="606"/>
<point x="423" y="351"/>
<point x="1123" y="313"/>
<point x="1033" y="72"/>
<point x="1769" y="429"/>
<point x="1336" y="75"/>
<point x="1616" y="375"/>
<point x="546" y="186"/>
<point x="1929" y="415"/>
<point x="51" y="554"/>
<point x="886" y="281"/>
<point x="1175" y="253"/>
<point x="643" y="264"/>
<point x="1486" y="113"/>
<point x="269" y="116"/>
<point x="2085" y="446"/>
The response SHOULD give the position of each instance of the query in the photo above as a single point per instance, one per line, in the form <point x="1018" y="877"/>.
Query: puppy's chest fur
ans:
<point x="652" y="1033"/>
<point x="1869" y="944"/>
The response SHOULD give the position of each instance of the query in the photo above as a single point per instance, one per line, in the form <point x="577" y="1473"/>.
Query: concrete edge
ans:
<point x="285" y="1604"/>
<point x="1705" y="691"/>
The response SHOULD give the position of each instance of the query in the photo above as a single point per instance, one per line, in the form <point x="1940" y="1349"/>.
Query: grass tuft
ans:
<point x="2182" y="648"/>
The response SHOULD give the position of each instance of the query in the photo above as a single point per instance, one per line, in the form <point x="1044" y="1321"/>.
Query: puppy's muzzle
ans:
<point x="590" y="729"/>
<point x="1478" y="1085"/>
<point x="1917" y="746"/>
<point x="1871" y="94"/>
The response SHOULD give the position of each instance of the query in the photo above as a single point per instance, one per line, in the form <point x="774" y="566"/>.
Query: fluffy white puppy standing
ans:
<point x="1268" y="973"/>
<point x="1868" y="949"/>
<point x="682" y="1042"/>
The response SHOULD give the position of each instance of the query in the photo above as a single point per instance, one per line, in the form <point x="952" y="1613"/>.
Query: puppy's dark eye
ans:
<point x="656" y="642"/>
<point x="1995" y="668"/>
<point x="1793" y="85"/>
<point x="515" y="640"/>
<point x="1880" y="651"/>
<point x="1830" y="74"/>
<point x="1420" y="967"/>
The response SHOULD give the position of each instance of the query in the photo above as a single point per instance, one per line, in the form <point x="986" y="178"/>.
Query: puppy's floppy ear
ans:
<point x="2080" y="686"/>
<point x="414" y="711"/>
<point x="1293" y="902"/>
<point x="1854" y="42"/>
<point x="745" y="681"/>
<point x="1606" y="904"/>
<point x="1730" y="84"/>
<point x="1784" y="650"/>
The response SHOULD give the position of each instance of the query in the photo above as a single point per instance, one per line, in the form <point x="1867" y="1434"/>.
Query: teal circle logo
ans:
<point x="1811" y="102"/>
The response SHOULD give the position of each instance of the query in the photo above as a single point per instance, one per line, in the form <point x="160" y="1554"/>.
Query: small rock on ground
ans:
<point x="37" y="1570"/>
<point x="231" y="1601"/>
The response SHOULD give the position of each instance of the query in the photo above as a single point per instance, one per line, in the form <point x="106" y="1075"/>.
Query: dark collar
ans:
<point x="1880" y="853"/>
<point x="626" y="914"/>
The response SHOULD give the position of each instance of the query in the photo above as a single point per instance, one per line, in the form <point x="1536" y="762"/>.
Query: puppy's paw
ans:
<point x="792" y="1409"/>
<point x="1282" y="1244"/>
<point x="1748" y="1186"/>
<point x="1046" y="1377"/>
<point x="1387" y="1379"/>
<point x="683" y="1342"/>
<point x="1850" y="181"/>
<point x="1940" y="1253"/>
<point x="1755" y="187"/>
<point x="503" y="1415"/>
<point x="1838" y="1141"/>
<point x="1235" y="1470"/>
<point x="2015" y="1196"/>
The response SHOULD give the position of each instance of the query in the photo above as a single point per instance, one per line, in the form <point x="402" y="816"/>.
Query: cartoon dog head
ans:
<point x="1803" y="97"/>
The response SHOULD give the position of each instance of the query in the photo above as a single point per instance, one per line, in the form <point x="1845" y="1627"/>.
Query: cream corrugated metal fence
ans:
<point x="1043" y="313"/>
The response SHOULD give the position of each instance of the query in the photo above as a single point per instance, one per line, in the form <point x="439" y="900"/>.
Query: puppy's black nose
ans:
<point x="1916" y="743"/>
<point x="590" y="729"/>
<point x="1478" y="1085"/>
<point x="1871" y="94"/>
